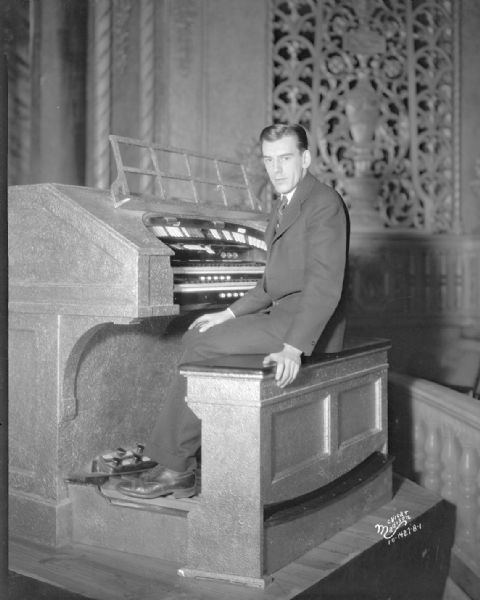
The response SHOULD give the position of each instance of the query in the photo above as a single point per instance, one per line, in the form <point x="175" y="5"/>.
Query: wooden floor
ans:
<point x="110" y="575"/>
<point x="25" y="588"/>
<point x="454" y="592"/>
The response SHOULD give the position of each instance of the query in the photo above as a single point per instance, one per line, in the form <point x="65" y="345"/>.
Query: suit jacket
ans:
<point x="305" y="274"/>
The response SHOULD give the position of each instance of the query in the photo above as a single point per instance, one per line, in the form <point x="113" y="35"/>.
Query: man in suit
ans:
<point x="296" y="308"/>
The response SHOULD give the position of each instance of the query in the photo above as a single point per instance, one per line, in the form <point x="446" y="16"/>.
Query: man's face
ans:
<point x="285" y="163"/>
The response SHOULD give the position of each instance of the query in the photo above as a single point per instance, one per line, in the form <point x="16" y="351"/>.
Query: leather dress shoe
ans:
<point x="159" y="481"/>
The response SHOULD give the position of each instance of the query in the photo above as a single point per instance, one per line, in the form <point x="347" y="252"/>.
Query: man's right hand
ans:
<point x="208" y="320"/>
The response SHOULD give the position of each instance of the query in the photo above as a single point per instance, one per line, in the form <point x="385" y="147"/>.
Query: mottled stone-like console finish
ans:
<point x="93" y="340"/>
<point x="80" y="272"/>
<point x="262" y="445"/>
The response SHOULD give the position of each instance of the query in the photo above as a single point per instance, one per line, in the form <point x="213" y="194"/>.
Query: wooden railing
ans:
<point x="435" y="437"/>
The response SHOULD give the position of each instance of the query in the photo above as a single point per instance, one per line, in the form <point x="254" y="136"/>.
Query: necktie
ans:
<point x="281" y="209"/>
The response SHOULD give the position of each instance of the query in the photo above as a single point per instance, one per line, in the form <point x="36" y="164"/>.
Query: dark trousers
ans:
<point x="176" y="437"/>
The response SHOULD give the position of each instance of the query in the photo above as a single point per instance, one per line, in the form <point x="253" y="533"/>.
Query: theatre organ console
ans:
<point x="102" y="286"/>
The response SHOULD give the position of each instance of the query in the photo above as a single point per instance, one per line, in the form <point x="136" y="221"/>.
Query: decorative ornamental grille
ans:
<point x="376" y="84"/>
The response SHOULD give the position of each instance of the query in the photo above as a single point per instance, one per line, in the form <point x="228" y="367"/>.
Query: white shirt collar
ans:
<point x="291" y="192"/>
<point x="289" y="195"/>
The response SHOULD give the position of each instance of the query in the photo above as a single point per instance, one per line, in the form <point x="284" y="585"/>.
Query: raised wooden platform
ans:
<point x="356" y="563"/>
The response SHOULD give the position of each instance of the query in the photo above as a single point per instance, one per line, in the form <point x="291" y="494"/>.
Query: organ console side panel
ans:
<point x="71" y="253"/>
<point x="75" y="265"/>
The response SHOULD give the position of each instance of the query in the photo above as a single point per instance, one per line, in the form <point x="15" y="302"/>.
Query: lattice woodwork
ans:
<point x="373" y="81"/>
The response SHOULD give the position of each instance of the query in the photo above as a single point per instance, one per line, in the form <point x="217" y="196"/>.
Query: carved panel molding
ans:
<point x="375" y="82"/>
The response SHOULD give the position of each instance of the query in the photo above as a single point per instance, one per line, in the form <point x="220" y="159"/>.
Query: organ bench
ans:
<point x="284" y="469"/>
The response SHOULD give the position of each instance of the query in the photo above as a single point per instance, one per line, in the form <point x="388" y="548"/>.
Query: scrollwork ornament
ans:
<point x="373" y="82"/>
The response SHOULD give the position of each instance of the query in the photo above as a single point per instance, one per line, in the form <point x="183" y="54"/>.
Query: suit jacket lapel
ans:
<point x="292" y="212"/>
<point x="270" y="231"/>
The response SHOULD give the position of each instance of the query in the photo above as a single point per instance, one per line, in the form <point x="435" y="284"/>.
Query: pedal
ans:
<point x="123" y="461"/>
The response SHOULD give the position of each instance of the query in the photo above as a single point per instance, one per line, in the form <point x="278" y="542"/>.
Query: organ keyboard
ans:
<point x="214" y="261"/>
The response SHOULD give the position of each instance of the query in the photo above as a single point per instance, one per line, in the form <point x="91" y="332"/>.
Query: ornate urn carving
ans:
<point x="362" y="108"/>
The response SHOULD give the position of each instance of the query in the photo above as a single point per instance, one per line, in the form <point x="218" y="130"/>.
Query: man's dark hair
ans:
<point x="272" y="133"/>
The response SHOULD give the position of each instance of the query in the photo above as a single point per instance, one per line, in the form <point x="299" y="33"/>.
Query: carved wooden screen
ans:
<point x="375" y="82"/>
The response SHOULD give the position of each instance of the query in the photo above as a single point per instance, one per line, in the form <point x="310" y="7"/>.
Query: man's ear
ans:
<point x="306" y="159"/>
